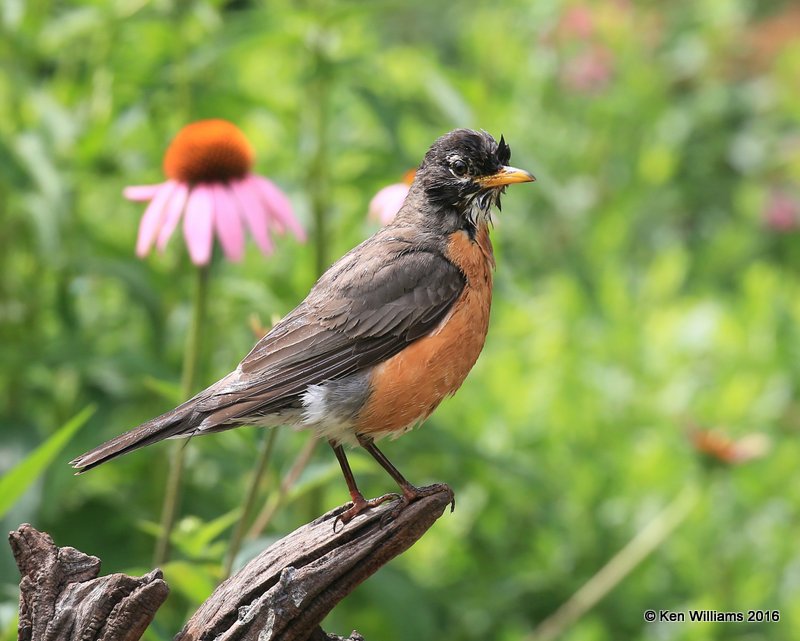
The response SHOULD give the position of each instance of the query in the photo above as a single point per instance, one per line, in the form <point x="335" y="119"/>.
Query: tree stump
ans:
<point x="61" y="598"/>
<point x="281" y="595"/>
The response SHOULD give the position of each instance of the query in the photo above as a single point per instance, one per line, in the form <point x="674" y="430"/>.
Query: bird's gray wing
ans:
<point x="375" y="301"/>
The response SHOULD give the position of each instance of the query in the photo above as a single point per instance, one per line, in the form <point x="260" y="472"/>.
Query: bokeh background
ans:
<point x="640" y="377"/>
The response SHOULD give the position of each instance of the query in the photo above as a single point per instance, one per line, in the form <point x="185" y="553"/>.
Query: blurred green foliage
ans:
<point x="647" y="283"/>
<point x="15" y="482"/>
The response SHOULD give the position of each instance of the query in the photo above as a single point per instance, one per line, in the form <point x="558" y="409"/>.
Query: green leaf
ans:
<point x="17" y="480"/>
<point x="208" y="532"/>
<point x="195" y="581"/>
<point x="10" y="633"/>
<point x="194" y="537"/>
<point x="168" y="390"/>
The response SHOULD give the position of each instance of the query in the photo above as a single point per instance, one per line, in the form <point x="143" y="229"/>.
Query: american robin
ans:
<point x="388" y="332"/>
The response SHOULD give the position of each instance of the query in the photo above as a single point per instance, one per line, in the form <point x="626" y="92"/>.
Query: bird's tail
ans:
<point x="177" y="422"/>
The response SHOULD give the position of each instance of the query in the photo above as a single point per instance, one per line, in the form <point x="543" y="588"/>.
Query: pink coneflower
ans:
<point x="387" y="202"/>
<point x="211" y="185"/>
<point x="578" y="21"/>
<point x="589" y="71"/>
<point x="782" y="212"/>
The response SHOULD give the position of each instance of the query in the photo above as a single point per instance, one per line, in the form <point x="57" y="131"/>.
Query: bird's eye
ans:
<point x="459" y="167"/>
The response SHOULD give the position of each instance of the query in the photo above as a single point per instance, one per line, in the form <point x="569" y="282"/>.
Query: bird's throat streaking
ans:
<point x="479" y="209"/>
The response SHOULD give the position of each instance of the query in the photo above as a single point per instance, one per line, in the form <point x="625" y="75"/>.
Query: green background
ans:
<point x="641" y="292"/>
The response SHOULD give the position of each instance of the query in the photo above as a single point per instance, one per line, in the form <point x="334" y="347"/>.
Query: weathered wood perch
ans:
<point x="61" y="598"/>
<point x="281" y="595"/>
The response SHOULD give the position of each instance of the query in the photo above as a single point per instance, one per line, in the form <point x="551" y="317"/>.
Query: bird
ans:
<point x="386" y="333"/>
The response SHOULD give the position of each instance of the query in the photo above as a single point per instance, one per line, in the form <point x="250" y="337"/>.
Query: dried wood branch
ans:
<point x="61" y="598"/>
<point x="281" y="595"/>
<point x="285" y="592"/>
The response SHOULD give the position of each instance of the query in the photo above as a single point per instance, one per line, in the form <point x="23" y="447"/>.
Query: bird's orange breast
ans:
<point x="406" y="388"/>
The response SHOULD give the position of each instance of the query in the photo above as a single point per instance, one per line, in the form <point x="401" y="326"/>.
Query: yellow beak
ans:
<point x="506" y="176"/>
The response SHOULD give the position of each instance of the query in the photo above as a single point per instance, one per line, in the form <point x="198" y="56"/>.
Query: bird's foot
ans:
<point x="360" y="504"/>
<point x="412" y="493"/>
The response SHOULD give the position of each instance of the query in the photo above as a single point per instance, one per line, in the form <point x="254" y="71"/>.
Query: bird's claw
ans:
<point x="361" y="504"/>
<point x="412" y="493"/>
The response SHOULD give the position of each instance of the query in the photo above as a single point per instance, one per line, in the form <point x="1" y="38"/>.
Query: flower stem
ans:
<point x="621" y="564"/>
<point x="318" y="177"/>
<point x="267" y="445"/>
<point x="277" y="498"/>
<point x="191" y="361"/>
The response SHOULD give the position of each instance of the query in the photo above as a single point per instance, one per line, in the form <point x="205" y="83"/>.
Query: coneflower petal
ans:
<point x="279" y="206"/>
<point x="253" y="212"/>
<point x="141" y="193"/>
<point x="387" y="202"/>
<point x="198" y="224"/>
<point x="227" y="222"/>
<point x="172" y="215"/>
<point x="153" y="218"/>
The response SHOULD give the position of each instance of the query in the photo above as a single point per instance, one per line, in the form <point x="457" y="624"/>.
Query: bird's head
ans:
<point x="463" y="175"/>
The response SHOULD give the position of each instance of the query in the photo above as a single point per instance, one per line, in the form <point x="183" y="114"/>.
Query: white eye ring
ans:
<point x="458" y="167"/>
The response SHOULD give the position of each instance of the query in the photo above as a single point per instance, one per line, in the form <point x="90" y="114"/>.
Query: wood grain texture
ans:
<point x="285" y="592"/>
<point x="62" y="598"/>
<point x="281" y="595"/>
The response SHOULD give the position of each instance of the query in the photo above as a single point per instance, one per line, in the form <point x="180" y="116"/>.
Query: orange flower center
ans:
<point x="208" y="151"/>
<point x="408" y="177"/>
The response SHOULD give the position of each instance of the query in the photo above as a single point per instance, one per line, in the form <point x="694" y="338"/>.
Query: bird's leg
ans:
<point x="359" y="502"/>
<point x="410" y="492"/>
